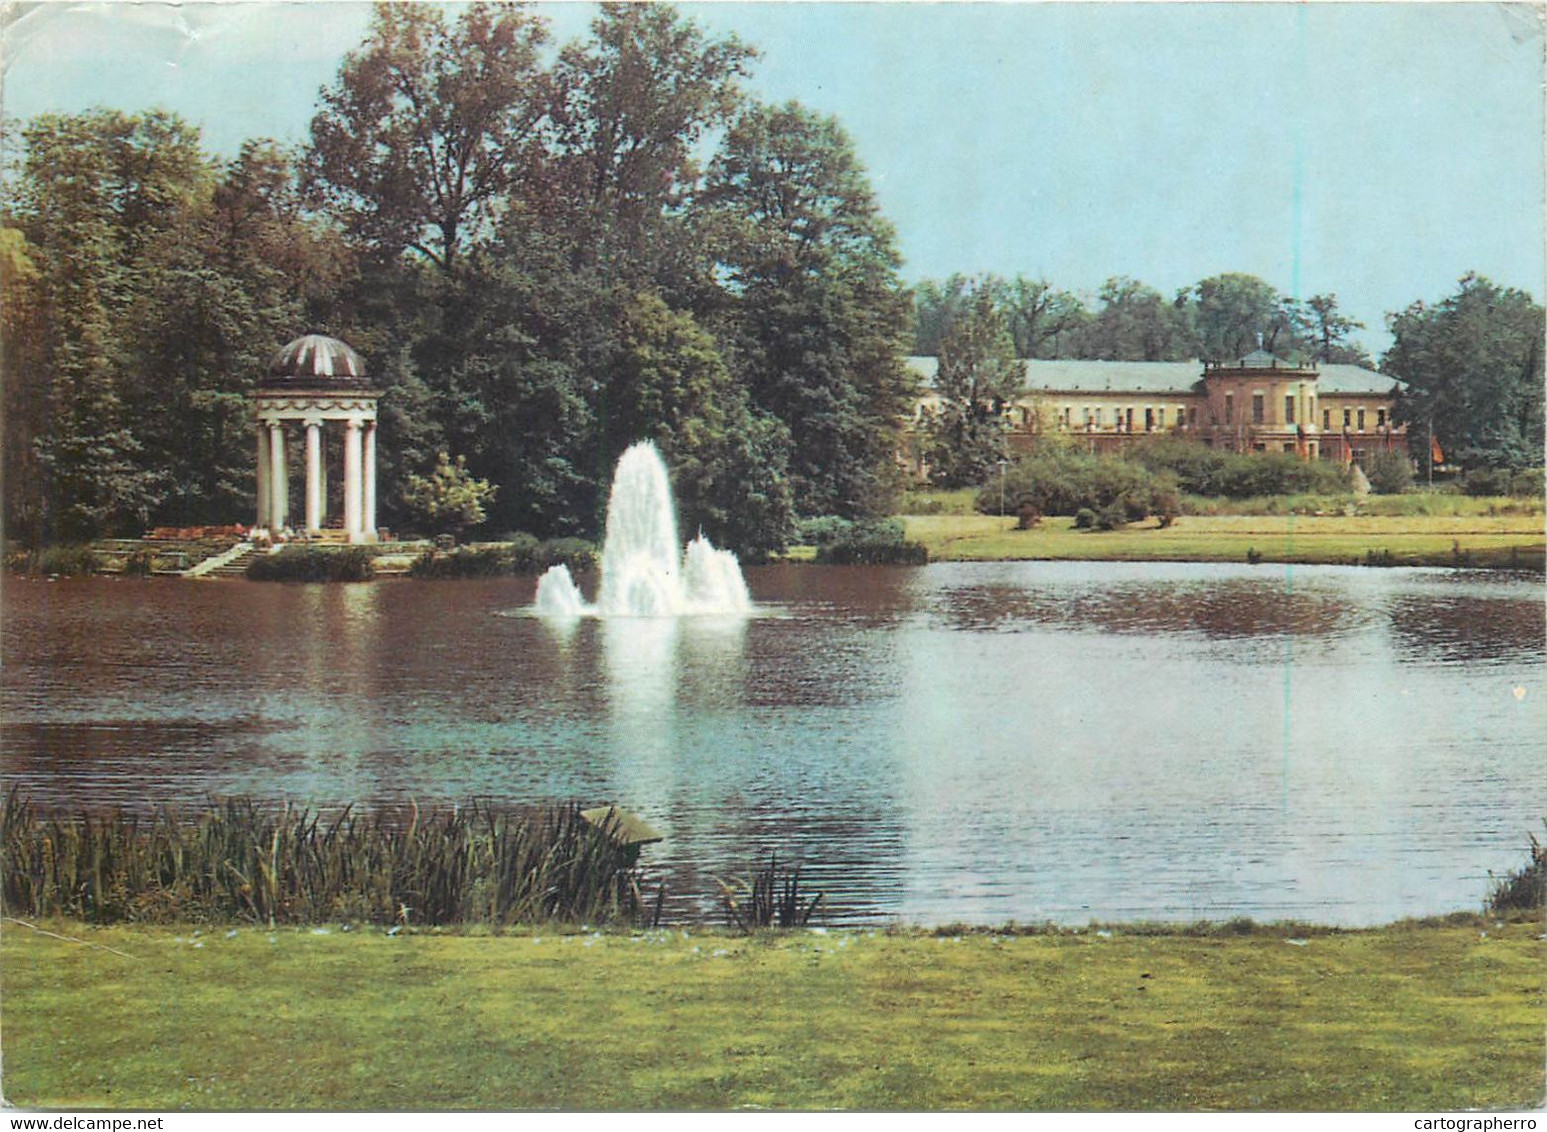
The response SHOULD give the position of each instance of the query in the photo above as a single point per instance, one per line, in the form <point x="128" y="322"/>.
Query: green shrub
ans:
<point x="523" y="551"/>
<point x="575" y="553"/>
<point x="1113" y="516"/>
<point x="314" y="564"/>
<point x="1390" y="472"/>
<point x="959" y="502"/>
<point x="822" y="530"/>
<point x="69" y="561"/>
<point x="1524" y="888"/>
<point x="140" y="563"/>
<point x="1528" y="483"/>
<point x="1204" y="471"/>
<point x="1084" y="519"/>
<point x="1058" y="480"/>
<point x="872" y="542"/>
<point x="463" y="562"/>
<point x="1486" y="481"/>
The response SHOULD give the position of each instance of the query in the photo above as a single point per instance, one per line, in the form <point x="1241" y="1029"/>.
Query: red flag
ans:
<point x="1436" y="453"/>
<point x="1348" y="449"/>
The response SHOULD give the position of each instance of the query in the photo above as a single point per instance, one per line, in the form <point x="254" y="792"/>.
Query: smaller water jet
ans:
<point x="644" y="573"/>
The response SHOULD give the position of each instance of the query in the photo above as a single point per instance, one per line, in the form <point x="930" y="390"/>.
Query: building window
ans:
<point x="1149" y="420"/>
<point x="1192" y="415"/>
<point x="1326" y="419"/>
<point x="1289" y="408"/>
<point x="1229" y="408"/>
<point x="1380" y="418"/>
<point x="1361" y="420"/>
<point x="1348" y="417"/>
<point x="1289" y="446"/>
<point x="1259" y="408"/>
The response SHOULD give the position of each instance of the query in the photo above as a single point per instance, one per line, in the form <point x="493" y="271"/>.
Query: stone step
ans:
<point x="234" y="566"/>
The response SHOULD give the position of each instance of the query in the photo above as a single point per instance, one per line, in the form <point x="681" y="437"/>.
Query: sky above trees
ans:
<point x="1378" y="151"/>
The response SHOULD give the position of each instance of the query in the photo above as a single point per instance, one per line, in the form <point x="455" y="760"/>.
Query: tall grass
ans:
<point x="237" y="860"/>
<point x="771" y="898"/>
<point x="1525" y="887"/>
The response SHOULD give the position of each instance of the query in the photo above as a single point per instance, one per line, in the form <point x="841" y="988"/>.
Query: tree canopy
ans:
<point x="978" y="377"/>
<point x="1219" y="318"/>
<point x="544" y="255"/>
<point x="1472" y="365"/>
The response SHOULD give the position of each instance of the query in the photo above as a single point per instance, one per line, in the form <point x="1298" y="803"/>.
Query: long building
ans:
<point x="1259" y="403"/>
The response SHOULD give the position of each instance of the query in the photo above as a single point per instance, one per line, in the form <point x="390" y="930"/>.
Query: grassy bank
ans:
<point x="1407" y="540"/>
<point x="1408" y="1017"/>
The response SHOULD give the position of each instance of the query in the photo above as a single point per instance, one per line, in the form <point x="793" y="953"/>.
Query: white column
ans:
<point x="352" y="459"/>
<point x="263" y="476"/>
<point x="313" y="475"/>
<point x="279" y="494"/>
<point x="369" y="482"/>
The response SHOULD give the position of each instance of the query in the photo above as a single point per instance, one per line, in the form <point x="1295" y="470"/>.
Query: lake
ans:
<point x="974" y="742"/>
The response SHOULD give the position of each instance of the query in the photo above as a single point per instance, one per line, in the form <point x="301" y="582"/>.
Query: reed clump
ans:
<point x="237" y="860"/>
<point x="1524" y="888"/>
<point x="771" y="898"/>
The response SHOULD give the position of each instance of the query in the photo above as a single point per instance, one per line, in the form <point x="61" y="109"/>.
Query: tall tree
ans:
<point x="1234" y="314"/>
<point x="1326" y="331"/>
<point x="99" y="193"/>
<point x="978" y="377"/>
<point x="935" y="307"/>
<point x="24" y="409"/>
<point x="1473" y="370"/>
<point x="669" y="384"/>
<point x="630" y="109"/>
<point x="1134" y="323"/>
<point x="1043" y="322"/>
<point x="816" y="316"/>
<point x="421" y="141"/>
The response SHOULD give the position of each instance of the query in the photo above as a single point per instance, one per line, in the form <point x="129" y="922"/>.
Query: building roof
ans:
<point x="315" y="360"/>
<point x="1164" y="378"/>
<point x="1261" y="359"/>
<point x="1354" y="379"/>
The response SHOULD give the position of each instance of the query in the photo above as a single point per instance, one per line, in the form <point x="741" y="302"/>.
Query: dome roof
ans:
<point x="314" y="360"/>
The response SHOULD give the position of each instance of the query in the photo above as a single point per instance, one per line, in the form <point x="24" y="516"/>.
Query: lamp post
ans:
<point x="1002" y="464"/>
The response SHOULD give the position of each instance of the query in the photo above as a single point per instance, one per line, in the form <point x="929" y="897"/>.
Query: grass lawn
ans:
<point x="1444" y="540"/>
<point x="1410" y="1017"/>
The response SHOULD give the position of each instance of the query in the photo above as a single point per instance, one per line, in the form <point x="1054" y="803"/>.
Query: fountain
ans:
<point x="644" y="574"/>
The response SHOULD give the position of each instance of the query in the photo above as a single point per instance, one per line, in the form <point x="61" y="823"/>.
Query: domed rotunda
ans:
<point x="318" y="383"/>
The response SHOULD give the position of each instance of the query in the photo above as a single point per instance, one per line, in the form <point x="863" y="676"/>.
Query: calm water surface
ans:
<point x="973" y="742"/>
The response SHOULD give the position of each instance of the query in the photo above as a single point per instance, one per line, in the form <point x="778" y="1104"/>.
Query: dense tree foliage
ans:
<point x="978" y="377"/>
<point x="429" y="128"/>
<point x="813" y="313"/>
<point x="543" y="254"/>
<point x="145" y="286"/>
<point x="1474" y="374"/>
<point x="1219" y="318"/>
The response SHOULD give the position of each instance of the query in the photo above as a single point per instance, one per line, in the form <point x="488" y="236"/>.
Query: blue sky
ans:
<point x="1374" y="150"/>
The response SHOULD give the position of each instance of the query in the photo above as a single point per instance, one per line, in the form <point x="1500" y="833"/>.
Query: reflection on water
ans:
<point x="959" y="742"/>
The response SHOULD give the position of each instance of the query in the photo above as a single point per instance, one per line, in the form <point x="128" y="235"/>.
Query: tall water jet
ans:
<point x="645" y="571"/>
